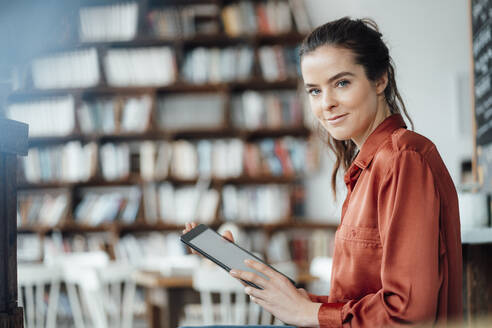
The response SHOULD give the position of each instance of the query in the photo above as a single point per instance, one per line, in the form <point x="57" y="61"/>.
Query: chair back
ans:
<point x="35" y="281"/>
<point x="98" y="289"/>
<point x="210" y="279"/>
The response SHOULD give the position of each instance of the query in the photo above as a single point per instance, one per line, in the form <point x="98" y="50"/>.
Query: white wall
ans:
<point x="430" y="45"/>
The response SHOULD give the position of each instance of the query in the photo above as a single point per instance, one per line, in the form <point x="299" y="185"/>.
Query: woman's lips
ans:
<point x="336" y="119"/>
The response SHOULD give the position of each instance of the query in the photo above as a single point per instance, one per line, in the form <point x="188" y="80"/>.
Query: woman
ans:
<point x="397" y="257"/>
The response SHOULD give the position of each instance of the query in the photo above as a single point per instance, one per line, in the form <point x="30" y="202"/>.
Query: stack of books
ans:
<point x="70" y="162"/>
<point x="178" y="205"/>
<point x="117" y="22"/>
<point x="99" y="205"/>
<point x="189" y="21"/>
<point x="151" y="66"/>
<point x="270" y="17"/>
<point x="275" y="109"/>
<point x="256" y="204"/>
<point x="218" y="65"/>
<point x="73" y="69"/>
<point x="111" y="115"/>
<point x="278" y="63"/>
<point x="47" y="117"/>
<point x="42" y="208"/>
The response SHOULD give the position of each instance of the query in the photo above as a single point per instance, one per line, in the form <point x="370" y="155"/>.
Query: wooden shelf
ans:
<point x="210" y="133"/>
<point x="135" y="179"/>
<point x="207" y="40"/>
<point x="290" y="223"/>
<point x="141" y="226"/>
<point x="96" y="182"/>
<point x="255" y="83"/>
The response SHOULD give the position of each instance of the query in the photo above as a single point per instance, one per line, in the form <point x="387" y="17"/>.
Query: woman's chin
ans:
<point x="337" y="135"/>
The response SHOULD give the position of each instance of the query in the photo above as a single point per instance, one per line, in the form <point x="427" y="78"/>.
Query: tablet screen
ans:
<point x="223" y="250"/>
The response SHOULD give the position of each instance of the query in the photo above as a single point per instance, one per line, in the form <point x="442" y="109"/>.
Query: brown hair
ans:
<point x="362" y="37"/>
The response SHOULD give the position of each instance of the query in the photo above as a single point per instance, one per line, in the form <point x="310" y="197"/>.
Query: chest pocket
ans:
<point x="359" y="236"/>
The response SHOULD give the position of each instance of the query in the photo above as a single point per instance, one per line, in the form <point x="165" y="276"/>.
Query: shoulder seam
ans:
<point x="402" y="151"/>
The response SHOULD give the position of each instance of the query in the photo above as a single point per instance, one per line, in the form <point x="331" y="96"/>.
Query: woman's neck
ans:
<point x="382" y="112"/>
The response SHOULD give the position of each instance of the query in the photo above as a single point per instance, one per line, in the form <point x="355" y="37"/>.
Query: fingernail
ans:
<point x="233" y="273"/>
<point x="248" y="261"/>
<point x="247" y="290"/>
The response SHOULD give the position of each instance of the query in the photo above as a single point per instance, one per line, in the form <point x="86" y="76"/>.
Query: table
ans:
<point x="179" y="292"/>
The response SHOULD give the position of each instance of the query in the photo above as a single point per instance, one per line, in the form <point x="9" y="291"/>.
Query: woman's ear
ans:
<point x="381" y="83"/>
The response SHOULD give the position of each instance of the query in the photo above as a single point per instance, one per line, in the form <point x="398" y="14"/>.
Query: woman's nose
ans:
<point x="328" y="102"/>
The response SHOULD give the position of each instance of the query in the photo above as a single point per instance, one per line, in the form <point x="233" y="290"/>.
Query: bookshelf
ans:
<point x="134" y="115"/>
<point x="12" y="144"/>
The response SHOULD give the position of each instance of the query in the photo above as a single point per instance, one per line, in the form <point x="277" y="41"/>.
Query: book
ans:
<point x="184" y="162"/>
<point x="115" y="161"/>
<point x="301" y="17"/>
<point x="136" y="114"/>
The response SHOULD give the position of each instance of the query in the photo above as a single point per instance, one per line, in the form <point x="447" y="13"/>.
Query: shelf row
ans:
<point x="181" y="161"/>
<point x="161" y="66"/>
<point x="130" y="22"/>
<point x="161" y="203"/>
<point x="142" y="247"/>
<point x="171" y="115"/>
<point x="174" y="135"/>
<point x="137" y="180"/>
<point x="119" y="228"/>
<point x="256" y="83"/>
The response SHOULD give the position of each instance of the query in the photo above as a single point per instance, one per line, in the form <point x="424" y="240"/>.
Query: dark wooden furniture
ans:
<point x="13" y="142"/>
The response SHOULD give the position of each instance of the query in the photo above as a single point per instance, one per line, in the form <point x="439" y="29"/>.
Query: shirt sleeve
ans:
<point x="408" y="218"/>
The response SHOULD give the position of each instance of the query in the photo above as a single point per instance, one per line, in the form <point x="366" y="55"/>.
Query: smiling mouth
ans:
<point x="336" y="117"/>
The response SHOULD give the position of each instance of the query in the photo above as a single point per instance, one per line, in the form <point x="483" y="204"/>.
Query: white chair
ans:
<point x="101" y="290"/>
<point x="210" y="279"/>
<point x="119" y="289"/>
<point x="34" y="281"/>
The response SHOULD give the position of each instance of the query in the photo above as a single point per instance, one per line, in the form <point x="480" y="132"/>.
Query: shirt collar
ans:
<point x="376" y="138"/>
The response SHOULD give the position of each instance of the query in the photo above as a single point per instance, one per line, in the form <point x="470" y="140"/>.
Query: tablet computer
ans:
<point x="222" y="251"/>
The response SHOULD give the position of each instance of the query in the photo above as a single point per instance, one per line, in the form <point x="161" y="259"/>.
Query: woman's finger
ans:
<point x="254" y="292"/>
<point x="260" y="267"/>
<point x="249" y="276"/>
<point x="228" y="235"/>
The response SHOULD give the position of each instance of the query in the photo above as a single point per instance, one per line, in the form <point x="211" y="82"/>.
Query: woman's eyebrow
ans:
<point x="339" y="75"/>
<point x="331" y="79"/>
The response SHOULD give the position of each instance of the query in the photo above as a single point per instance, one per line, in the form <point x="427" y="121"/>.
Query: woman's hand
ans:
<point x="188" y="226"/>
<point x="279" y="297"/>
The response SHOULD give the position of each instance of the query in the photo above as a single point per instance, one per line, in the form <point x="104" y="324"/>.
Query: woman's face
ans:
<point x="343" y="99"/>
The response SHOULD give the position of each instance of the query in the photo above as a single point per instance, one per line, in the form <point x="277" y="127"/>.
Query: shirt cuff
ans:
<point x="318" y="298"/>
<point x="330" y="315"/>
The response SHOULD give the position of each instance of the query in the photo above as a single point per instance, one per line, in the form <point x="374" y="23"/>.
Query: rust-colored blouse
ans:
<point x="397" y="257"/>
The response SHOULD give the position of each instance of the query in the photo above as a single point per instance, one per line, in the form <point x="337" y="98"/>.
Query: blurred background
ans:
<point x="144" y="115"/>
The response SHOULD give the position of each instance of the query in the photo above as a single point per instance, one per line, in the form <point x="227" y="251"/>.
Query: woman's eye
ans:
<point x="314" y="92"/>
<point x="342" y="83"/>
